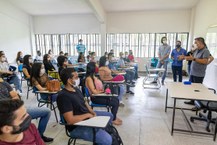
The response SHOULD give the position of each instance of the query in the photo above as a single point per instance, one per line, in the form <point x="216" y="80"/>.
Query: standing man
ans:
<point x="80" y="47"/>
<point x="200" y="60"/>
<point x="163" y="54"/>
<point x="177" y="56"/>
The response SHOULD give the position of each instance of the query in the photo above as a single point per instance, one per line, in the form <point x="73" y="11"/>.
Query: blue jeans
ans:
<point x="159" y="65"/>
<point x="16" y="81"/>
<point x="40" y="112"/>
<point x="121" y="93"/>
<point x="136" y="70"/>
<point x="130" y="75"/>
<point x="102" y="137"/>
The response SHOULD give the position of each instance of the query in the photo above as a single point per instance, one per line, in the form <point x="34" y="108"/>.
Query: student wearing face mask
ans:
<point x="178" y="54"/>
<point x="39" y="78"/>
<point x="9" y="75"/>
<point x="47" y="63"/>
<point x="106" y="75"/>
<point x="15" y="125"/>
<point x="74" y="108"/>
<point x="27" y="66"/>
<point x="163" y="54"/>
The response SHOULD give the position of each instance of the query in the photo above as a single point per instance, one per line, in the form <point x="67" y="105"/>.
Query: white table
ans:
<point x="195" y="91"/>
<point x="96" y="122"/>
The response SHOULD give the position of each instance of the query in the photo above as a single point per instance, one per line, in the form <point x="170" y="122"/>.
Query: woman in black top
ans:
<point x="62" y="63"/>
<point x="27" y="66"/>
<point x="47" y="63"/>
<point x="19" y="58"/>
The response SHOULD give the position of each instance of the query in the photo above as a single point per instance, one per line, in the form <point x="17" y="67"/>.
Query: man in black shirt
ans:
<point x="73" y="107"/>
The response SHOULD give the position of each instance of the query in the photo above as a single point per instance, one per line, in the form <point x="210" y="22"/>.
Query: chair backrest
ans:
<point x="146" y="68"/>
<point x="87" y="92"/>
<point x="63" y="122"/>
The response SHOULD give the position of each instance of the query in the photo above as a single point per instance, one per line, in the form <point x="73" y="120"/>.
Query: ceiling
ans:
<point x="54" y="7"/>
<point x="142" y="5"/>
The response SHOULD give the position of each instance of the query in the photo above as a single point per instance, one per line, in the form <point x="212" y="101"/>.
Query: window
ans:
<point x="67" y="43"/>
<point x="142" y="44"/>
<point x="211" y="41"/>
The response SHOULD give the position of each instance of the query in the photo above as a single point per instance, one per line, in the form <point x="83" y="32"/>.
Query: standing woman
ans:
<point x="39" y="78"/>
<point x="27" y="66"/>
<point x="19" y="61"/>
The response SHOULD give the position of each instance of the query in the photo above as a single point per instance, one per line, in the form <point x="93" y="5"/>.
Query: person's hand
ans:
<point x="93" y="113"/>
<point x="162" y="62"/>
<point x="181" y="57"/>
<point x="10" y="72"/>
<point x="189" y="57"/>
<point x="89" y="115"/>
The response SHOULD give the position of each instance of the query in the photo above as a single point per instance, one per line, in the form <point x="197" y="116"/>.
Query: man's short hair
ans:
<point x="8" y="107"/>
<point x="163" y="39"/>
<point x="66" y="74"/>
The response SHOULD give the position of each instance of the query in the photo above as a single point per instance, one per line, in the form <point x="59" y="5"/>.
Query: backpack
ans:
<point x="116" y="139"/>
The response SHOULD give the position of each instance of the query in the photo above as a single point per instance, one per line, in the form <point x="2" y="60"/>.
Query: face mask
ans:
<point x="107" y="63"/>
<point x="23" y="126"/>
<point x="30" y="60"/>
<point x="195" y="47"/>
<point x="178" y="46"/>
<point x="77" y="82"/>
<point x="164" y="42"/>
<point x="42" y="72"/>
<point x="113" y="58"/>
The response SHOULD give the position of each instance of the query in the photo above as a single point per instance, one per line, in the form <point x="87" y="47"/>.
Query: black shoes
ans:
<point x="130" y="92"/>
<point x="189" y="102"/>
<point x="47" y="139"/>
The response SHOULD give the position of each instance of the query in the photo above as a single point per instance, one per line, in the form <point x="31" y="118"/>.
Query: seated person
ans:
<point x="81" y="57"/>
<point x="47" y="63"/>
<point x="62" y="63"/>
<point x="19" y="61"/>
<point x="7" y="92"/>
<point x="106" y="75"/>
<point x="38" y="57"/>
<point x="95" y="86"/>
<point x="126" y="59"/>
<point x="74" y="109"/>
<point x="132" y="60"/>
<point x="27" y="66"/>
<point x="39" y="78"/>
<point x="11" y="76"/>
<point x="15" y="124"/>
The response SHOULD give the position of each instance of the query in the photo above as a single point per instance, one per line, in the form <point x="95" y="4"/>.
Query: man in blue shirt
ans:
<point x="177" y="56"/>
<point x="80" y="47"/>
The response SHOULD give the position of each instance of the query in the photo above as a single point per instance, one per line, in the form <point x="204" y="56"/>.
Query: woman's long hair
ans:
<point x="36" y="68"/>
<point x="18" y="55"/>
<point x="91" y="66"/>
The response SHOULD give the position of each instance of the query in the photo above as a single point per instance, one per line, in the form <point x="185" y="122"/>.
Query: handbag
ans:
<point x="53" y="85"/>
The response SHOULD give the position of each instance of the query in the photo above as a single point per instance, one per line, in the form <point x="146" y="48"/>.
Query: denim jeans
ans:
<point x="43" y="114"/>
<point x="122" y="91"/>
<point x="136" y="70"/>
<point x="16" y="81"/>
<point x="86" y="133"/>
<point x="130" y="75"/>
<point x="176" y="69"/>
<point x="159" y="65"/>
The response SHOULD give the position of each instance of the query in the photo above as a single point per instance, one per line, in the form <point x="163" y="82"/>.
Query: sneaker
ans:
<point x="47" y="139"/>
<point x="121" y="104"/>
<point x="130" y="92"/>
<point x="189" y="102"/>
<point x="195" y="109"/>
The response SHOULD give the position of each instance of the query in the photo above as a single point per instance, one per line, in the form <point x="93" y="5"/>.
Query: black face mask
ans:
<point x="23" y="126"/>
<point x="178" y="46"/>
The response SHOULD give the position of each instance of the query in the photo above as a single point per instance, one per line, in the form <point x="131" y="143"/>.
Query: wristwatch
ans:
<point x="194" y="59"/>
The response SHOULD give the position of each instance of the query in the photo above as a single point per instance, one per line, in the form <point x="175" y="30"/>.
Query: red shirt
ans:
<point x="131" y="57"/>
<point x="30" y="137"/>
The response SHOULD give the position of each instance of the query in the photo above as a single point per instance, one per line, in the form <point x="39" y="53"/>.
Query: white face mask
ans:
<point x="77" y="82"/>
<point x="30" y="60"/>
<point x="164" y="42"/>
<point x="195" y="47"/>
<point x="42" y="72"/>
<point x="107" y="63"/>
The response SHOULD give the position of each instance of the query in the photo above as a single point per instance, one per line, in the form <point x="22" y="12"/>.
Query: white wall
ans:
<point x="205" y="16"/>
<point x="149" y="21"/>
<point x="84" y="23"/>
<point x="14" y="30"/>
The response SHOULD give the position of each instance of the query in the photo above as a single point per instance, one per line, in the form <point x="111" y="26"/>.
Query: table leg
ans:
<point x="215" y="130"/>
<point x="166" y="100"/>
<point x="173" y="117"/>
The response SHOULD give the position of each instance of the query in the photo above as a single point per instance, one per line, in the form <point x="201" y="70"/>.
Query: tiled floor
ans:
<point x="144" y="121"/>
